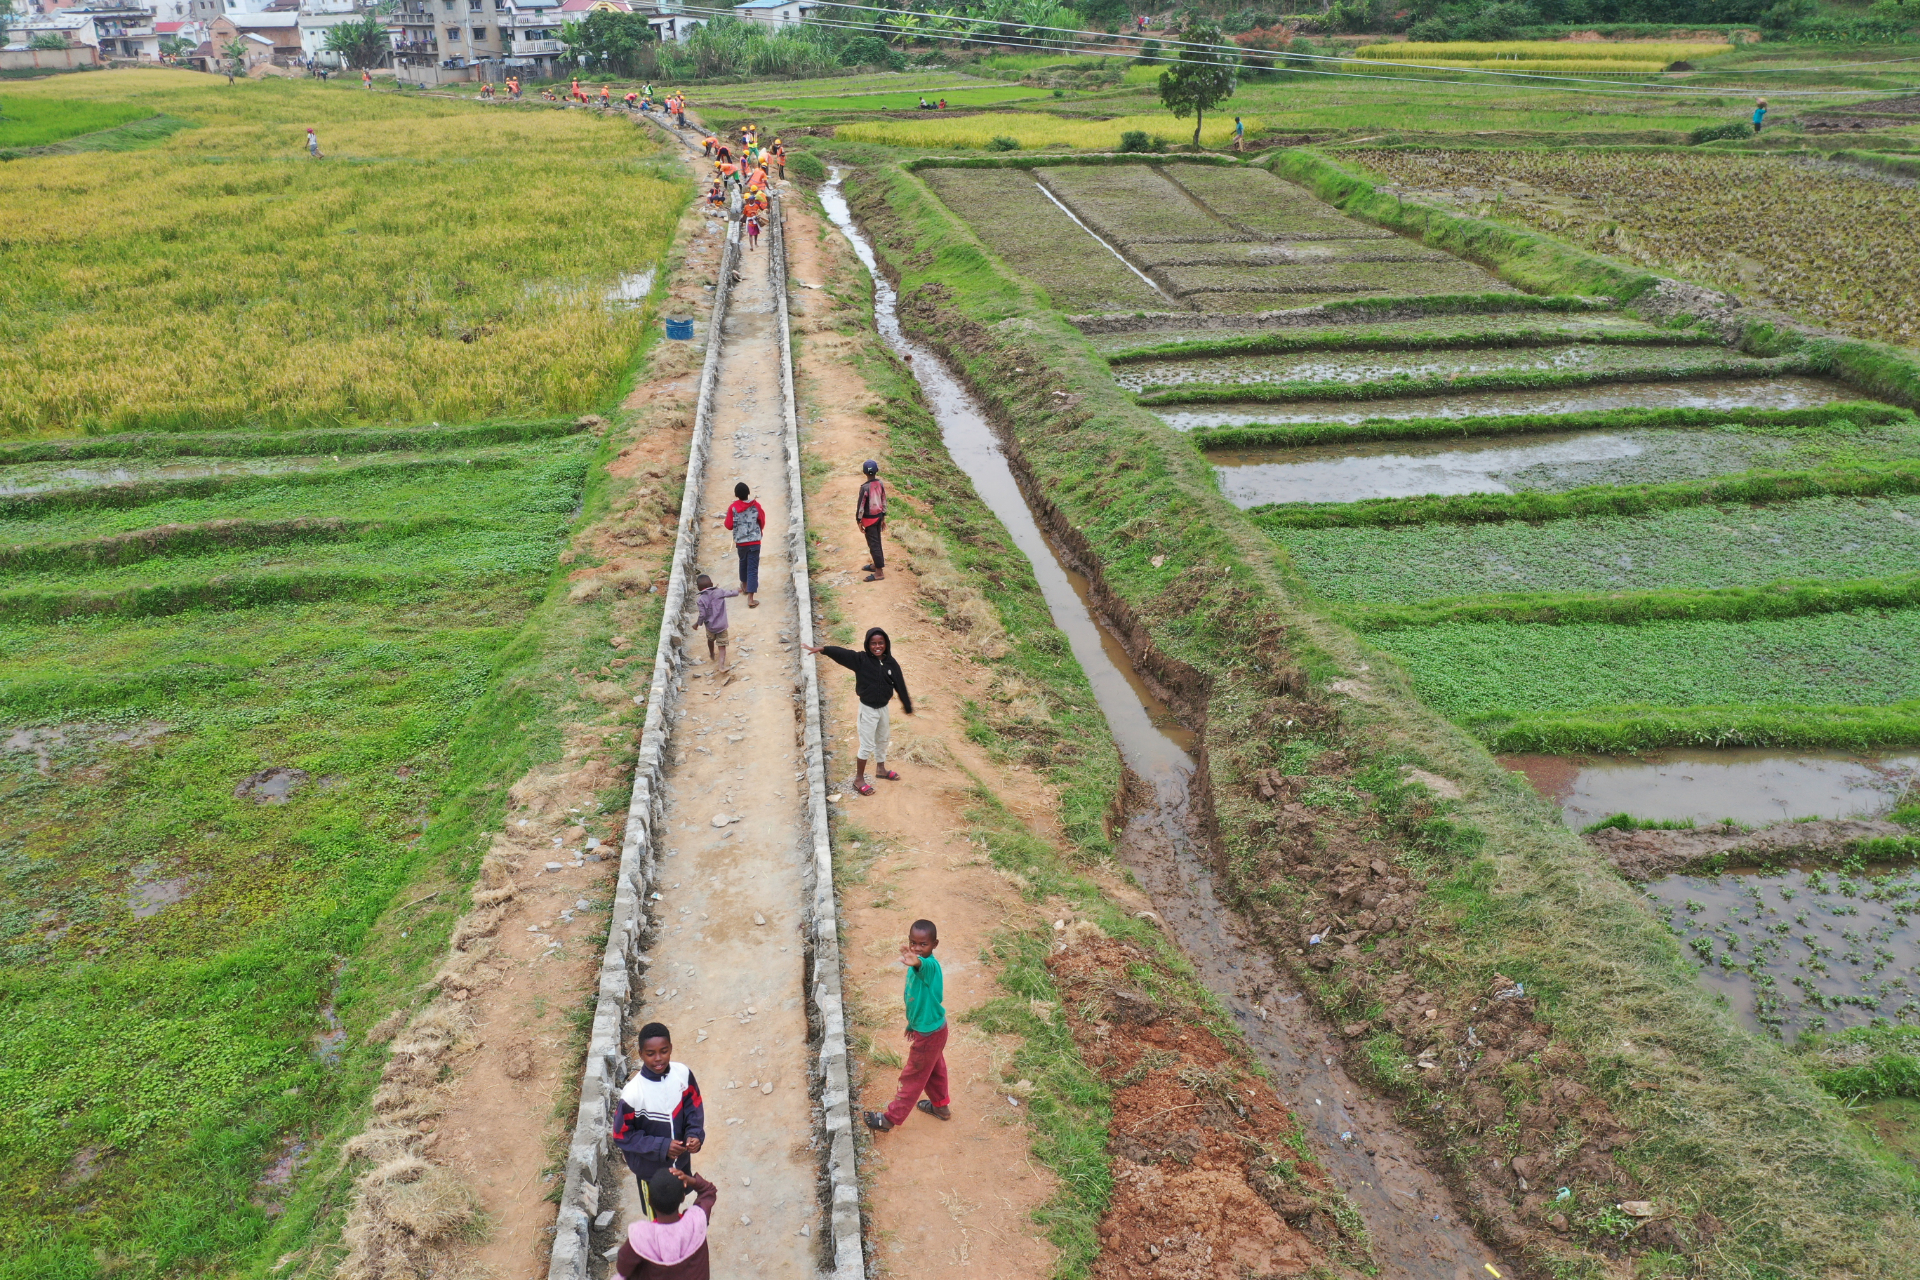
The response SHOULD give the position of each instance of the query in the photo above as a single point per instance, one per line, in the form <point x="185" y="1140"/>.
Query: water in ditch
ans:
<point x="1416" y="1229"/>
<point x="1786" y="392"/>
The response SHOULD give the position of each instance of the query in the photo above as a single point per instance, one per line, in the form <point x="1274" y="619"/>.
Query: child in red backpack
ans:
<point x="747" y="520"/>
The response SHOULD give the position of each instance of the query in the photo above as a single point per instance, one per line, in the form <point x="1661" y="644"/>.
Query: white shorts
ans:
<point x="874" y="731"/>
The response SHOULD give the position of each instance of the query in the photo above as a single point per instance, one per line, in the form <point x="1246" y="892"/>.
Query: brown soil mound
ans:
<point x="1210" y="1178"/>
<point x="1648" y="855"/>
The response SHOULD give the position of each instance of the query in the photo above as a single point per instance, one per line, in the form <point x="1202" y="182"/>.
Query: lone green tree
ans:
<point x="1201" y="80"/>
<point x="361" y="42"/>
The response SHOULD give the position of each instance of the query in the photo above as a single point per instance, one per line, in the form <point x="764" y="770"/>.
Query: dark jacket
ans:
<point x="656" y="1111"/>
<point x="875" y="680"/>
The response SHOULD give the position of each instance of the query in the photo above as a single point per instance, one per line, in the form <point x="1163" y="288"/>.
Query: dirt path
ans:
<point x="944" y="1200"/>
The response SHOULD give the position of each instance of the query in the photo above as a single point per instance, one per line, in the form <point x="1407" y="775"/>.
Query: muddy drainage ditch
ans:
<point x="1416" y="1229"/>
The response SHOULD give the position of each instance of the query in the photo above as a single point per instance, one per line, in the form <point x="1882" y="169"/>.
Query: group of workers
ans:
<point x="749" y="173"/>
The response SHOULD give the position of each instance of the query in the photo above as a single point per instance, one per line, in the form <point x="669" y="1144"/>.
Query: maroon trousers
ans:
<point x="925" y="1072"/>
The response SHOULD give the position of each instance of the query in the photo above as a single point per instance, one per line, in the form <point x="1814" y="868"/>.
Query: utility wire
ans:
<point x="1087" y="44"/>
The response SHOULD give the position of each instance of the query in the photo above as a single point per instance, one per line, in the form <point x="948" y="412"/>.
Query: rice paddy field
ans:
<point x="1822" y="239"/>
<point x="1570" y="57"/>
<point x="428" y="269"/>
<point x="291" y="448"/>
<point x="1189" y="237"/>
<point x="1661" y="541"/>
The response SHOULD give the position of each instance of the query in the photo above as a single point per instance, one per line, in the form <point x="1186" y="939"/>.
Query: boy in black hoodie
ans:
<point x="876" y="678"/>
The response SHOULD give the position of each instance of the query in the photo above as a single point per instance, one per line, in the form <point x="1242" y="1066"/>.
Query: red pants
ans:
<point x="925" y="1072"/>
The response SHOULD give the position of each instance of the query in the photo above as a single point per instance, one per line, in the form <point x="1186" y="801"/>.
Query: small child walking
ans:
<point x="662" y="1120"/>
<point x="313" y="143"/>
<point x="747" y="519"/>
<point x="753" y="233"/>
<point x="713" y="616"/>
<point x="669" y="1243"/>
<point x="926" y="1069"/>
<point x="876" y="678"/>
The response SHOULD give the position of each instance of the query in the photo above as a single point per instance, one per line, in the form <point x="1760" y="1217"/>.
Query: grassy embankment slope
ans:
<point x="1719" y="1123"/>
<point x="198" y="954"/>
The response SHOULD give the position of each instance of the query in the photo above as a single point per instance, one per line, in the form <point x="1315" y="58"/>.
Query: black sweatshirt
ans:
<point x="875" y="680"/>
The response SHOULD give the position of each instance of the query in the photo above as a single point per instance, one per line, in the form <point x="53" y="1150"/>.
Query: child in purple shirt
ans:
<point x="713" y="616"/>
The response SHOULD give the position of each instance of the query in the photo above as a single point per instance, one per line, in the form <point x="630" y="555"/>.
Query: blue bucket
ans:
<point x="681" y="329"/>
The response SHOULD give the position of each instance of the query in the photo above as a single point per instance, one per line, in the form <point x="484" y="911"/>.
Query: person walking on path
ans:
<point x="713" y="616"/>
<point x="1759" y="113"/>
<point x="313" y="143"/>
<point x="662" y="1120"/>
<point x="669" y="1243"/>
<point x="876" y="678"/>
<point x="748" y="520"/>
<point x="753" y="240"/>
<point x="870" y="513"/>
<point x="926" y="1069"/>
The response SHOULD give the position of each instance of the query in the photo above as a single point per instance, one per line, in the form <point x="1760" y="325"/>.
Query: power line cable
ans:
<point x="1085" y="42"/>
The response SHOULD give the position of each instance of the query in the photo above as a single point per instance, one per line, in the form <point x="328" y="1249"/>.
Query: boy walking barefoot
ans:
<point x="876" y="678"/>
<point x="713" y="616"/>
<point x="662" y="1121"/>
<point x="926" y="1069"/>
<point x="669" y="1244"/>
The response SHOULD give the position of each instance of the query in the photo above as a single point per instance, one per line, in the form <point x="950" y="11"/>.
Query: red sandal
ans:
<point x="864" y="788"/>
<point x="889" y="774"/>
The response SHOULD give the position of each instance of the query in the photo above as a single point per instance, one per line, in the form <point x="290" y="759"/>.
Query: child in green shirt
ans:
<point x="926" y="1069"/>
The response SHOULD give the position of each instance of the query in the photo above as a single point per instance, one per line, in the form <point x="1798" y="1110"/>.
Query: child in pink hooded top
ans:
<point x="671" y="1245"/>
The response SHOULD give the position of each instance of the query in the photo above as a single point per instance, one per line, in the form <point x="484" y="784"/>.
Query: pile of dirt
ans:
<point x="1210" y="1175"/>
<point x="1648" y="855"/>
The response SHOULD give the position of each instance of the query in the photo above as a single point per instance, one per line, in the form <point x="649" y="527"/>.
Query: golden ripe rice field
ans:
<point x="1570" y="56"/>
<point x="1819" y="239"/>
<point x="442" y="261"/>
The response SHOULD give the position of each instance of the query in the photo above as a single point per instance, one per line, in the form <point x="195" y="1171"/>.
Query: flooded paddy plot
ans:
<point x="1701" y="547"/>
<point x="1750" y="786"/>
<point x="1802" y="950"/>
<point x="1110" y="339"/>
<point x="1366" y="366"/>
<point x="1794" y="391"/>
<point x="1507" y="464"/>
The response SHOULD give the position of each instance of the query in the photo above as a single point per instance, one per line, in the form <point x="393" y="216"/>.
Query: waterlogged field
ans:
<point x="1814" y="237"/>
<point x="440" y="263"/>
<point x="1364" y="366"/>
<point x="238" y="712"/>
